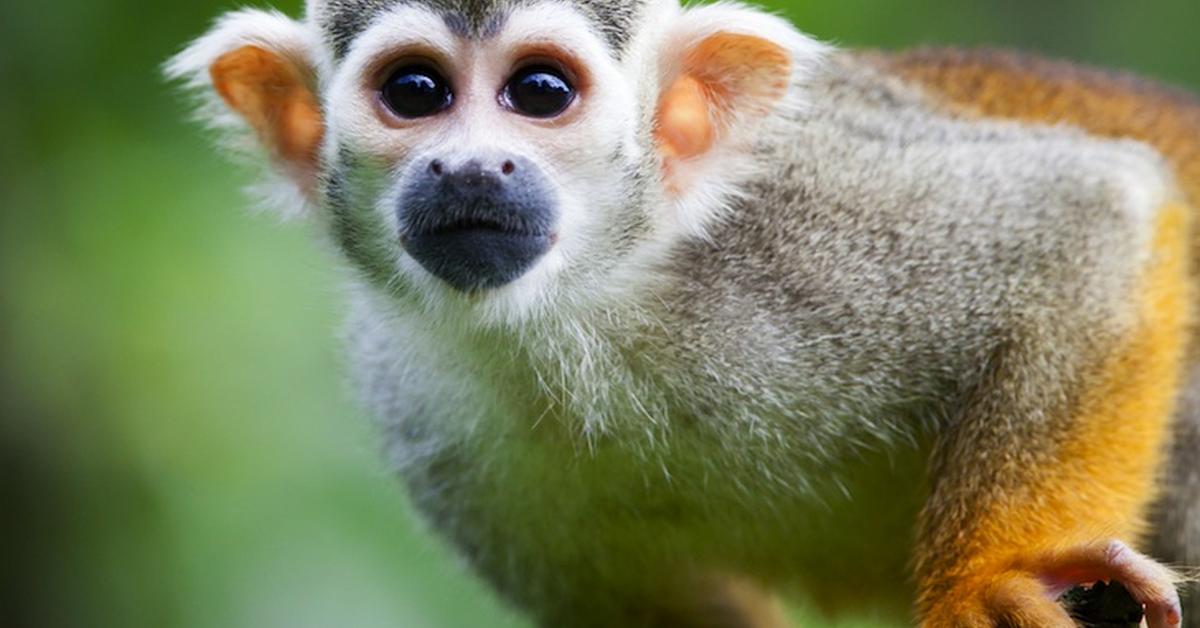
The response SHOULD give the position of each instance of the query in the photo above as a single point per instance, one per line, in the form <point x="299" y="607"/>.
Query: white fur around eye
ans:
<point x="354" y="121"/>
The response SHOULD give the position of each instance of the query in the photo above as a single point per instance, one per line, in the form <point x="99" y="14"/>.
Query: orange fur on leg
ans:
<point x="990" y="564"/>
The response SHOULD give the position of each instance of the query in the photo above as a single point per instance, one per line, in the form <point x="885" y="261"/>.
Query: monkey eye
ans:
<point x="416" y="91"/>
<point x="538" y="92"/>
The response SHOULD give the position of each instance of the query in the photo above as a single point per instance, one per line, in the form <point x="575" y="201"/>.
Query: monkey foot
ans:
<point x="1151" y="584"/>
<point x="1025" y="593"/>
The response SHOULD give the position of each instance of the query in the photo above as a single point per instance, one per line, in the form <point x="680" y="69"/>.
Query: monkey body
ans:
<point x="876" y="328"/>
<point x="756" y="458"/>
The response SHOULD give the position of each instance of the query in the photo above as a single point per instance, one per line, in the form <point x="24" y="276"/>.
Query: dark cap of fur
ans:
<point x="343" y="20"/>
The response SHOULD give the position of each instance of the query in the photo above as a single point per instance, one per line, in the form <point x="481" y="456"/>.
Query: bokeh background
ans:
<point x="177" y="445"/>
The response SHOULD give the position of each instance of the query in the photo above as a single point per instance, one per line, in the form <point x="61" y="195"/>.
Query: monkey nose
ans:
<point x="438" y="167"/>
<point x="480" y="223"/>
<point x="474" y="178"/>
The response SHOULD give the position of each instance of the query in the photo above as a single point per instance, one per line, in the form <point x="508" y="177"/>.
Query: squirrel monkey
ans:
<point x="665" y="311"/>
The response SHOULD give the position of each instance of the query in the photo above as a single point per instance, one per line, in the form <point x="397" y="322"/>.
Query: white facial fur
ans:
<point x="574" y="150"/>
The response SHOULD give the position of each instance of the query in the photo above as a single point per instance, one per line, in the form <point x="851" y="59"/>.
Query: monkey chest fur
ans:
<point x="544" y="514"/>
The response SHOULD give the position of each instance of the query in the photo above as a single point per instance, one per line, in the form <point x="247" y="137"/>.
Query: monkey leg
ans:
<point x="998" y="550"/>
<point x="1025" y="594"/>
<point x="1040" y="485"/>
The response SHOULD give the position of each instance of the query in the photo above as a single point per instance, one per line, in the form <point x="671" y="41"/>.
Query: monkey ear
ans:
<point x="724" y="67"/>
<point x="256" y="74"/>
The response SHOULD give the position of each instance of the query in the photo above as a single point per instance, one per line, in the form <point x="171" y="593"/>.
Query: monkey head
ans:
<point x="503" y="158"/>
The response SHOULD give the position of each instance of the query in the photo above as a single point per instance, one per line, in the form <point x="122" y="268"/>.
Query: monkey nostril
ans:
<point x="437" y="167"/>
<point x="508" y="168"/>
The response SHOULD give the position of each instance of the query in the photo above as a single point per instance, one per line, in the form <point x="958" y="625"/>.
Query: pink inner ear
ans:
<point x="725" y="77"/>
<point x="685" y="128"/>
<point x="271" y="93"/>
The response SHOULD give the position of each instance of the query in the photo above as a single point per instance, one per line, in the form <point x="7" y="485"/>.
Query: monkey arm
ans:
<point x="1033" y="493"/>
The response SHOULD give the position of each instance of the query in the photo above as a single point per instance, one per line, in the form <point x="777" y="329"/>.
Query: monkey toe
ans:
<point x="1025" y="594"/>
<point x="1150" y="583"/>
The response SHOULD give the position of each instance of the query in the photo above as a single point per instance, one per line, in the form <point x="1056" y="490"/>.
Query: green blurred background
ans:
<point x="177" y="445"/>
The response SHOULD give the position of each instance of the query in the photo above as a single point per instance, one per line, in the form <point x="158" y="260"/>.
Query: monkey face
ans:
<point x="477" y="217"/>
<point x="506" y="160"/>
<point x="496" y="165"/>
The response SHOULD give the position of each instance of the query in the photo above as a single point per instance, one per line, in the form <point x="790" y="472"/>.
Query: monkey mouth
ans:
<point x="477" y="252"/>
<point x="482" y="223"/>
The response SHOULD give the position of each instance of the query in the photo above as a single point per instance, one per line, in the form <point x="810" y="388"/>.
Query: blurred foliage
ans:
<point x="177" y="446"/>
